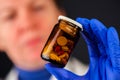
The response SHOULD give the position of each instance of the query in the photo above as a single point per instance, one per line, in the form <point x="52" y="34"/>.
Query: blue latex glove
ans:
<point x="104" y="52"/>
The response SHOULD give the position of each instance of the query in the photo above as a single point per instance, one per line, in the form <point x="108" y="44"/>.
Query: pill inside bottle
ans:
<point x="62" y="41"/>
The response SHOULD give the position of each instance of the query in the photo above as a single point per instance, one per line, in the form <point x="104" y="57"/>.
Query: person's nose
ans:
<point x="26" y="21"/>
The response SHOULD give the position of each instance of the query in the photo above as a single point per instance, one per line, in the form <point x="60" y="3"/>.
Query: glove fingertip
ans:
<point x="84" y="22"/>
<point x="112" y="36"/>
<point x="96" y="23"/>
<point x="94" y="20"/>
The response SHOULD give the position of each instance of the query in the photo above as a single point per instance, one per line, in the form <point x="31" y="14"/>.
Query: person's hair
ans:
<point x="59" y="4"/>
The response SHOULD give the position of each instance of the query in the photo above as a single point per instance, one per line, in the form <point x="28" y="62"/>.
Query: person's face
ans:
<point x="24" y="28"/>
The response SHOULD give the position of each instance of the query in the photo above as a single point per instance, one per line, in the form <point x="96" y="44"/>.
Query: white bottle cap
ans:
<point x="71" y="20"/>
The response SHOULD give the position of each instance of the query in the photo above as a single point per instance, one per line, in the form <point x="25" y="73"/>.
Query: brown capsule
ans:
<point x="65" y="56"/>
<point x="65" y="48"/>
<point x="54" y="57"/>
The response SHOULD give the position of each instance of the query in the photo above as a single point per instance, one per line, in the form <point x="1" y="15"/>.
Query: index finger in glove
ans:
<point x="100" y="31"/>
<point x="87" y="32"/>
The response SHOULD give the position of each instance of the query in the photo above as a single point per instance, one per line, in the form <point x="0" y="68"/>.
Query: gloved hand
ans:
<point x="104" y="53"/>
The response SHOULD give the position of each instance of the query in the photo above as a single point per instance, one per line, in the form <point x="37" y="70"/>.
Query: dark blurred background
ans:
<point x="107" y="11"/>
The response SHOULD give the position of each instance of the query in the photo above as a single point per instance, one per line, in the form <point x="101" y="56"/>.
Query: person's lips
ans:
<point x="33" y="42"/>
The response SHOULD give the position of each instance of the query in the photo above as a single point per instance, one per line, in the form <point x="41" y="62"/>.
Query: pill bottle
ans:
<point x="62" y="41"/>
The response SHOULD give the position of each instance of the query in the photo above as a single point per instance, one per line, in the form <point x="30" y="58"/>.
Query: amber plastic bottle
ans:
<point x="62" y="41"/>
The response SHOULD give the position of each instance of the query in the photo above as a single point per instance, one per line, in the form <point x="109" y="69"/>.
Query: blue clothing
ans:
<point x="41" y="74"/>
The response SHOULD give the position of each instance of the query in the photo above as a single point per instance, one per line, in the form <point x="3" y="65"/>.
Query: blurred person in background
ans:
<point x="24" y="28"/>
